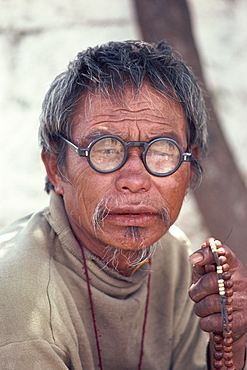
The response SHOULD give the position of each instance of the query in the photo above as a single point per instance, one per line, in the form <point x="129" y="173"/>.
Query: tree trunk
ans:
<point x="222" y="196"/>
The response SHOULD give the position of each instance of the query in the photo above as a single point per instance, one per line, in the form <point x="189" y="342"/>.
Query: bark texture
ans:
<point x="222" y="195"/>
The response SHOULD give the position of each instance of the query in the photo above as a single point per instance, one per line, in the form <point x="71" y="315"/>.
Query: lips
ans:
<point x="133" y="216"/>
<point x="134" y="210"/>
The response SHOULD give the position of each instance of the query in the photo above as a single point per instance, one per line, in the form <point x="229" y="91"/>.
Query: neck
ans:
<point x="96" y="332"/>
<point x="126" y="262"/>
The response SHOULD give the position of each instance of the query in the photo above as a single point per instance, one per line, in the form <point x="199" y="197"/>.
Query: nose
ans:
<point x="133" y="176"/>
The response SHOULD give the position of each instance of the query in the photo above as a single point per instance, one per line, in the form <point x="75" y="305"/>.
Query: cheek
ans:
<point x="76" y="187"/>
<point x="86" y="188"/>
<point x="174" y="190"/>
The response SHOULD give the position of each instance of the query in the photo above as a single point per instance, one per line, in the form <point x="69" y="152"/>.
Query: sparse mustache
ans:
<point x="103" y="209"/>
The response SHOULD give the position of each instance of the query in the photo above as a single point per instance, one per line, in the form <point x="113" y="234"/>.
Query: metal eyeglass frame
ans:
<point x="85" y="152"/>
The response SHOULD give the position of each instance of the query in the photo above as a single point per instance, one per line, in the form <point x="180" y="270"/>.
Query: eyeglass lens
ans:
<point x="107" y="154"/>
<point x="162" y="156"/>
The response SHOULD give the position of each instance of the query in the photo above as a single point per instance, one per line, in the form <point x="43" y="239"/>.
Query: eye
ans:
<point x="108" y="151"/>
<point x="108" y="146"/>
<point x="107" y="154"/>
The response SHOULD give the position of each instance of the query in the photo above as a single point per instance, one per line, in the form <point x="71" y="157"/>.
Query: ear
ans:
<point x="195" y="151"/>
<point x="50" y="162"/>
<point x="196" y="155"/>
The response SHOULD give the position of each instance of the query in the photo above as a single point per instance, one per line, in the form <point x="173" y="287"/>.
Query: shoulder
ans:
<point x="25" y="251"/>
<point x="25" y="238"/>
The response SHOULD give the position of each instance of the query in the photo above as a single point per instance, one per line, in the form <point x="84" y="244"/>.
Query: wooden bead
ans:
<point x="213" y="249"/>
<point x="228" y="284"/>
<point x="213" y="245"/>
<point x="229" y="300"/>
<point x="227" y="349"/>
<point x="222" y="259"/>
<point x="218" y="347"/>
<point x="226" y="267"/>
<point x="223" y="341"/>
<point x="227" y="342"/>
<point x="229" y="292"/>
<point x="228" y="356"/>
<point x="229" y="326"/>
<point x="229" y="309"/>
<point x="228" y="334"/>
<point x="218" y="355"/>
<point x="226" y="275"/>
<point x="230" y="318"/>
<point x="218" y="364"/>
<point x="219" y="269"/>
<point x="217" y="338"/>
<point x="228" y="363"/>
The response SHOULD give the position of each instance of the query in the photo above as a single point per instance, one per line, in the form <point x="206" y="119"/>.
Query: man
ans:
<point x="100" y="278"/>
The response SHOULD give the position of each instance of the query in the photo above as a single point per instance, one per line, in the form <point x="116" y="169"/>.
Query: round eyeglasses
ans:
<point x="161" y="156"/>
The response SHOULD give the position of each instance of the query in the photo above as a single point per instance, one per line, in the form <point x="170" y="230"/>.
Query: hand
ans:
<point x="204" y="292"/>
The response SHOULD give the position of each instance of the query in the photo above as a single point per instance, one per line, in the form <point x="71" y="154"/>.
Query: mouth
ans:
<point x="131" y="217"/>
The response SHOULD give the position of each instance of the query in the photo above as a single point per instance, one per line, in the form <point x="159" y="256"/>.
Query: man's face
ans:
<point x="131" y="208"/>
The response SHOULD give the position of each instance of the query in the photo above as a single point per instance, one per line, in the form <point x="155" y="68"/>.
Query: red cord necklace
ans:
<point x="96" y="331"/>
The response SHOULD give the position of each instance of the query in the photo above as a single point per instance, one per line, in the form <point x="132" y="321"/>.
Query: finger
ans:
<point x="204" y="256"/>
<point x="207" y="306"/>
<point x="206" y="285"/>
<point x="209" y="268"/>
<point x="237" y="324"/>
<point x="199" y="268"/>
<point x="199" y="271"/>
<point x="211" y="323"/>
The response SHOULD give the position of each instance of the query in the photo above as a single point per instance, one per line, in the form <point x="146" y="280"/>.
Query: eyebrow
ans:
<point x="92" y="136"/>
<point x="96" y="134"/>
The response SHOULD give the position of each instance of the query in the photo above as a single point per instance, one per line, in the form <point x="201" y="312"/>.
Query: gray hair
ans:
<point x="109" y="69"/>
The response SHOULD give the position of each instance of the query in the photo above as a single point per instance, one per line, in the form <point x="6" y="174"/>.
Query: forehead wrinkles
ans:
<point x="146" y="104"/>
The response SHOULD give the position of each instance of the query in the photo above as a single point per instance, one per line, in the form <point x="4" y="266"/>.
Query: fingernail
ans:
<point x="196" y="257"/>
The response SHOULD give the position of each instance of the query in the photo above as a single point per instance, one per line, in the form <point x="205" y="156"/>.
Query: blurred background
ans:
<point x="39" y="37"/>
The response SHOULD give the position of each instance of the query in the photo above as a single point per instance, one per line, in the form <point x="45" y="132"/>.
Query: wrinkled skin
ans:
<point x="133" y="197"/>
<point x="204" y="292"/>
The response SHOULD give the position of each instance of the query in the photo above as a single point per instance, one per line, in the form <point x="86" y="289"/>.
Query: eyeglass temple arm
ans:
<point x="187" y="157"/>
<point x="80" y="151"/>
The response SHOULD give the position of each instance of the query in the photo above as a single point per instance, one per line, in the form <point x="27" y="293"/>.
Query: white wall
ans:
<point x="37" y="40"/>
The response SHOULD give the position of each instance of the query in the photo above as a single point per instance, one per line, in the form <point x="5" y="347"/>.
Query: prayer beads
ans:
<point x="223" y="355"/>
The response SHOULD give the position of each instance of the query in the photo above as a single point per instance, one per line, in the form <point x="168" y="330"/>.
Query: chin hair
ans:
<point x="132" y="234"/>
<point x="133" y="257"/>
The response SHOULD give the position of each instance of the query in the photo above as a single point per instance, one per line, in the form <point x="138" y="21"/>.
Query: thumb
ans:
<point x="202" y="257"/>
